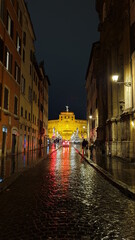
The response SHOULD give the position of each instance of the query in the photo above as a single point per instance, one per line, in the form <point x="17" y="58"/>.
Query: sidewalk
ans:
<point x="118" y="171"/>
<point x="12" y="166"/>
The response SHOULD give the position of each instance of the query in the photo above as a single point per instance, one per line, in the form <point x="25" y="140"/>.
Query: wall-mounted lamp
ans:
<point x="91" y="117"/>
<point x="115" y="78"/>
<point x="132" y="123"/>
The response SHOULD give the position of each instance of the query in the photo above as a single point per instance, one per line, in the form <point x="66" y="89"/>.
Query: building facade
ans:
<point x="10" y="68"/>
<point x="116" y="128"/>
<point x="44" y="83"/>
<point x="67" y="126"/>
<point x="27" y="82"/>
<point x="20" y="78"/>
<point x="91" y="92"/>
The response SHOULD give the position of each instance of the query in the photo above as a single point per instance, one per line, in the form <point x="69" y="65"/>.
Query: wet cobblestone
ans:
<point x="65" y="198"/>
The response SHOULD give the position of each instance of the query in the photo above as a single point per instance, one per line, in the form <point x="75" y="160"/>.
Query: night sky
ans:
<point x="65" y="31"/>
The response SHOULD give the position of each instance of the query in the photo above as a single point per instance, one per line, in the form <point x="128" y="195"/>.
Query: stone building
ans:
<point x="116" y="121"/>
<point x="67" y="126"/>
<point x="27" y="82"/>
<point x="10" y="69"/>
<point x="20" y="82"/>
<point x="44" y="83"/>
<point x="91" y="90"/>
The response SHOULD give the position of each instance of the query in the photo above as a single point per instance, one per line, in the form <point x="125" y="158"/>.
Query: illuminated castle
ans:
<point x="67" y="127"/>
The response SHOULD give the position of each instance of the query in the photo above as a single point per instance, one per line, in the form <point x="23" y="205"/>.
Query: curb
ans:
<point x="116" y="183"/>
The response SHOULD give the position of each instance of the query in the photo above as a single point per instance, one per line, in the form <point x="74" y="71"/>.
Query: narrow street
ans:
<point x="63" y="197"/>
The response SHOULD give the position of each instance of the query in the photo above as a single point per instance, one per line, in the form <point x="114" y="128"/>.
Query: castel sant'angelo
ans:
<point x="66" y="126"/>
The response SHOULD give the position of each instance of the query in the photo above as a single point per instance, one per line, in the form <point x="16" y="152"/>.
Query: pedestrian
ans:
<point x="91" y="151"/>
<point x="83" y="146"/>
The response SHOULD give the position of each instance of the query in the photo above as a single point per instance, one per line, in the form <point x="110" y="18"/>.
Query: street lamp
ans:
<point x="115" y="78"/>
<point x="91" y="117"/>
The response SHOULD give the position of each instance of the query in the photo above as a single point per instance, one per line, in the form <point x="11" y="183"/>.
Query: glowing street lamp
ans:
<point x="115" y="78"/>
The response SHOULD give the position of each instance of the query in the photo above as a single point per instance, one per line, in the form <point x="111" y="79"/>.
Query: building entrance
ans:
<point x="13" y="143"/>
<point x="4" y="131"/>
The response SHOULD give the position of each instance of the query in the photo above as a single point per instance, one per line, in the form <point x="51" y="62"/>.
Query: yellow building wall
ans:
<point x="66" y="125"/>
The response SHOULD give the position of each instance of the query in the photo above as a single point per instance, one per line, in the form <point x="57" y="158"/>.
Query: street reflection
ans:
<point x="65" y="168"/>
<point x="60" y="162"/>
<point x="11" y="165"/>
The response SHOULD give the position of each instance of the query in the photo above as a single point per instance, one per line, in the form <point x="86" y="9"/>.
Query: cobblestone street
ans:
<point x="63" y="197"/>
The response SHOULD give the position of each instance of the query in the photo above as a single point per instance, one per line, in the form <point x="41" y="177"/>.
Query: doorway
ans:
<point x="13" y="143"/>
<point x="3" y="142"/>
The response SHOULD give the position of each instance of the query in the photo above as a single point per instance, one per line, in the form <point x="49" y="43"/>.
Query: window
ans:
<point x="35" y="98"/>
<point x="41" y="108"/>
<point x="30" y="69"/>
<point x="15" y="105"/>
<point x="1" y="49"/>
<point x="18" y="43"/>
<point x="17" y="73"/>
<point x="30" y="94"/>
<point x="31" y="55"/>
<point x="2" y="9"/>
<point x="24" y="38"/>
<point x="6" y="100"/>
<point x="29" y="116"/>
<point x="8" y="60"/>
<point x="21" y="111"/>
<point x="9" y="25"/>
<point x="23" y="55"/>
<point x="33" y="95"/>
<point x="25" y="114"/>
<point x="19" y="14"/>
<point x="23" y="85"/>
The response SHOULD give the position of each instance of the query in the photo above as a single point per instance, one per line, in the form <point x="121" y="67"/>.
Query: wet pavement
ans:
<point x="121" y="172"/>
<point x="13" y="165"/>
<point x="63" y="197"/>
